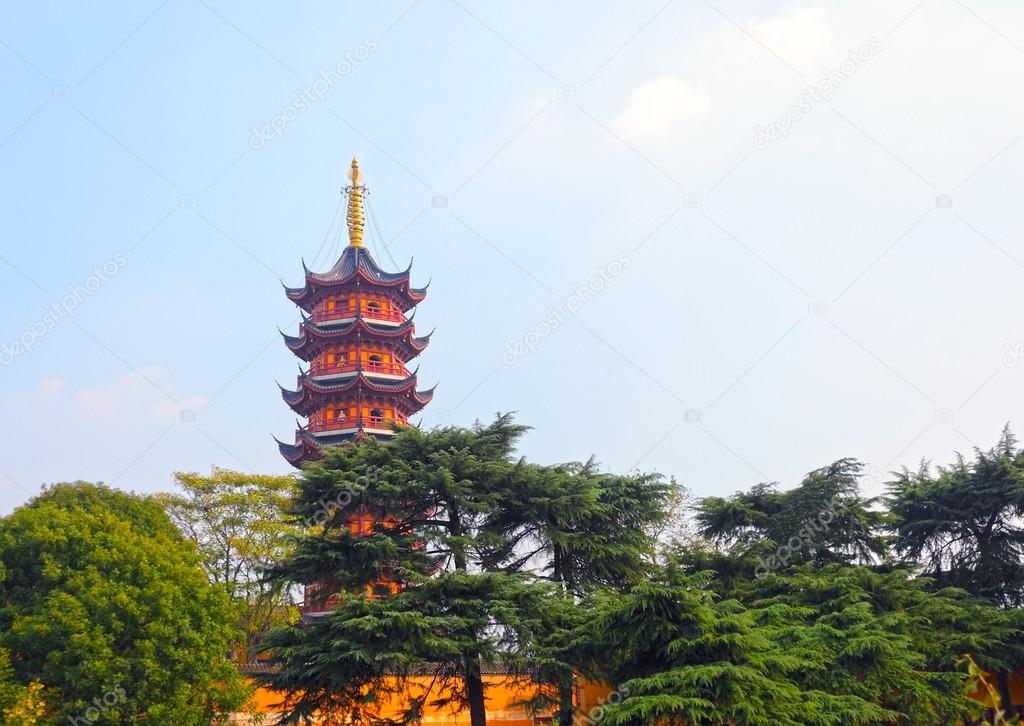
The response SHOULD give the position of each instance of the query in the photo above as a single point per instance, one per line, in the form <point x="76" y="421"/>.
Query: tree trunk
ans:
<point x="565" y="706"/>
<point x="471" y="660"/>
<point x="475" y="691"/>
<point x="565" y="685"/>
<point x="1003" y="681"/>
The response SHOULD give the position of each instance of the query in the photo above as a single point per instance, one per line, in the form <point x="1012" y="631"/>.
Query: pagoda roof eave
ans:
<point x="301" y="451"/>
<point x="354" y="265"/>
<point x="311" y="333"/>
<point x="304" y="399"/>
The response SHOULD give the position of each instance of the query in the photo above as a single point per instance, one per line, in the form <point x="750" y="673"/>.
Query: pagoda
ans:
<point x="357" y="336"/>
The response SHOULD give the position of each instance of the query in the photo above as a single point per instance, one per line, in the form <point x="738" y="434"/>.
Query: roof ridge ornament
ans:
<point x="355" y="217"/>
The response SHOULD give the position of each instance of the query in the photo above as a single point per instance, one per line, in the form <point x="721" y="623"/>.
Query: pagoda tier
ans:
<point x="314" y="338"/>
<point x="313" y="392"/>
<point x="357" y="339"/>
<point x="356" y="268"/>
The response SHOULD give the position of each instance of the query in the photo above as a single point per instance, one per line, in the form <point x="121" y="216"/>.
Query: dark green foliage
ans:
<point x="872" y="635"/>
<point x="820" y="656"/>
<point x="479" y="558"/>
<point x="681" y="657"/>
<point x="102" y="598"/>
<point x="475" y="560"/>
<point x="964" y="523"/>
<point x="822" y="520"/>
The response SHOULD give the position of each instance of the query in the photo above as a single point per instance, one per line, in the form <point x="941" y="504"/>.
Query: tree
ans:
<point x="963" y="523"/>
<point x="872" y="634"/>
<point x="239" y="523"/>
<point x="672" y="529"/>
<point x="822" y="520"/>
<point x="583" y="529"/>
<point x="475" y="558"/>
<point x="421" y="589"/>
<point x="679" y="655"/>
<point x="107" y="606"/>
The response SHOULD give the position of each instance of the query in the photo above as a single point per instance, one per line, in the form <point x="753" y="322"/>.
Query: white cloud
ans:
<point x="185" y="409"/>
<point x="135" y="396"/>
<point x="51" y="387"/>
<point x="802" y="36"/>
<point x="661" y="107"/>
<point x="105" y="401"/>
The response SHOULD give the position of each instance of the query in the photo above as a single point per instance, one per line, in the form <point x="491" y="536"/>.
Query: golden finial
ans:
<point x="355" y="205"/>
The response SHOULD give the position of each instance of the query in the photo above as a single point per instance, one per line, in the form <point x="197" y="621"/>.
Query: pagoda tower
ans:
<point x="357" y="335"/>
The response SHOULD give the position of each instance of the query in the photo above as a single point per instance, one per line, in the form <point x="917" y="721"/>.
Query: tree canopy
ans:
<point x="823" y="519"/>
<point x="444" y="554"/>
<point x="964" y="523"/>
<point x="469" y="553"/>
<point x="106" y="606"/>
<point x="240" y="525"/>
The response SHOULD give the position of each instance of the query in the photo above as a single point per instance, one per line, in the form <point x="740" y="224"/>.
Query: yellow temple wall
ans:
<point x="503" y="693"/>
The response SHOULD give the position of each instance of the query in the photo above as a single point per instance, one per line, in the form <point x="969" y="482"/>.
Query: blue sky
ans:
<point x="687" y="283"/>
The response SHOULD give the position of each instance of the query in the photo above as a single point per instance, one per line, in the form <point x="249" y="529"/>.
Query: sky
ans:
<point x="730" y="241"/>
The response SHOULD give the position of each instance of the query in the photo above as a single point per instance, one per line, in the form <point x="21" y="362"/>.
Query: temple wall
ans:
<point x="503" y="693"/>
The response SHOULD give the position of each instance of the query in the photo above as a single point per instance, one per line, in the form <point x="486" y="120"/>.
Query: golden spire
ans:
<point x="355" y="205"/>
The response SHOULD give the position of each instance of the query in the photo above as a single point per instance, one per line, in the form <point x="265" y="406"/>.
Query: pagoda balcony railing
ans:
<point x="349" y="422"/>
<point x="371" y="366"/>
<point x="334" y="424"/>
<point x="349" y="311"/>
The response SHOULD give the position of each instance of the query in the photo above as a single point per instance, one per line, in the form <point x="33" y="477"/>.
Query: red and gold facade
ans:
<point x="357" y="335"/>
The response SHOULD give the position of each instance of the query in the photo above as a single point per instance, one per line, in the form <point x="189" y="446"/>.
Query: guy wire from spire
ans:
<point x="383" y="244"/>
<point x="327" y="234"/>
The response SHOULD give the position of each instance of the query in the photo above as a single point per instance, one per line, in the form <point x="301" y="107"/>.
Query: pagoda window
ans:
<point x="373" y="307"/>
<point x="376" y="413"/>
